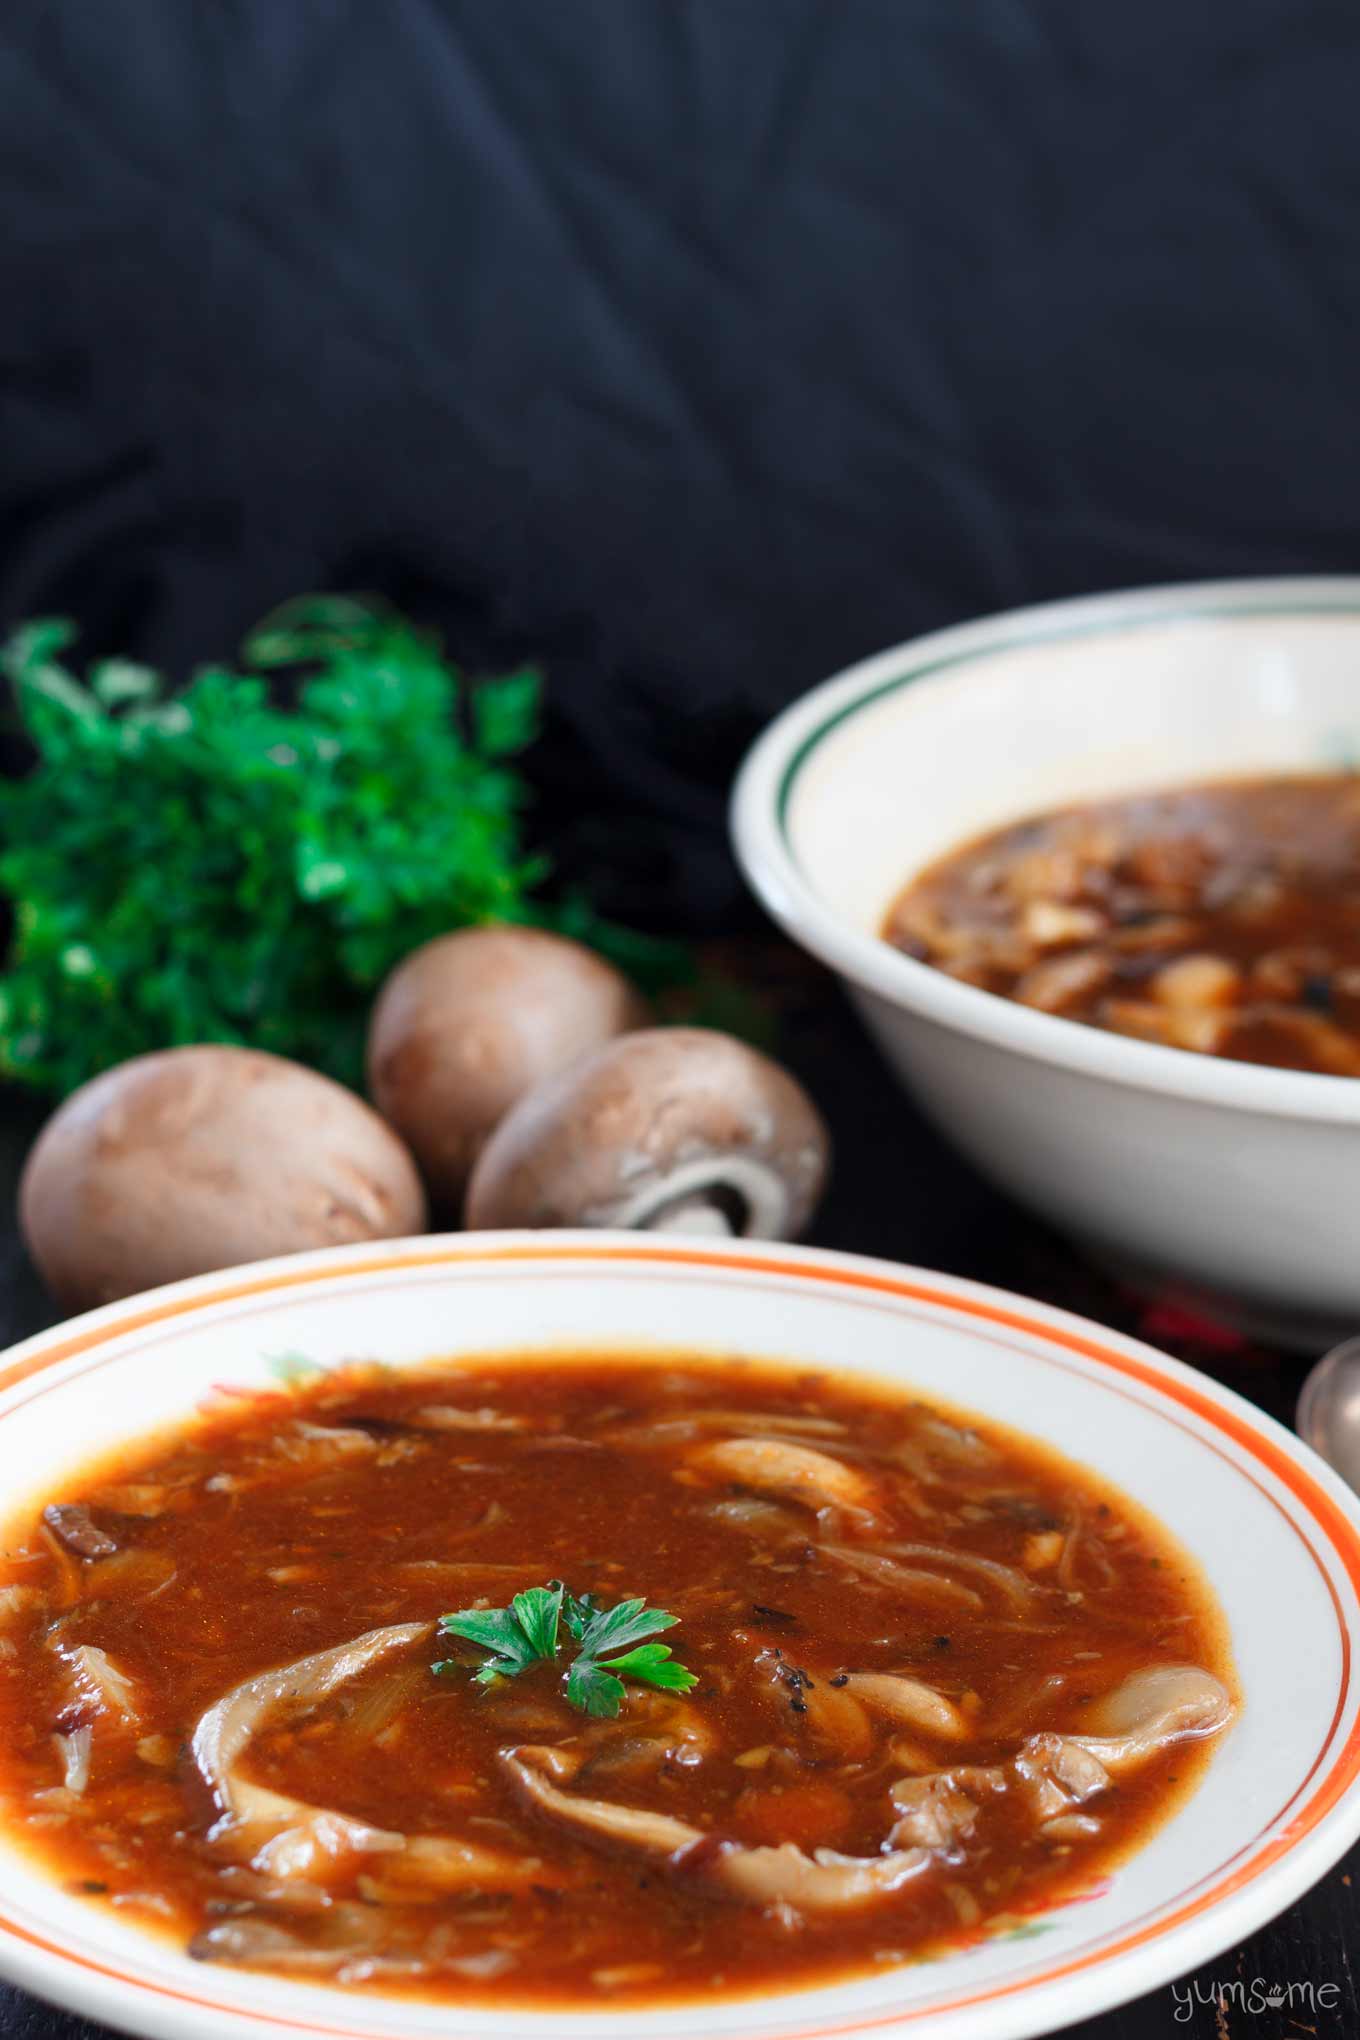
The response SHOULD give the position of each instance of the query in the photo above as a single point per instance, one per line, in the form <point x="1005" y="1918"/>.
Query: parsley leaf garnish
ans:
<point x="537" y="1613"/>
<point x="594" y="1690"/>
<point x="497" y="1631"/>
<point x="629" y="1622"/>
<point x="527" y="1632"/>
<point x="598" y="1688"/>
<point x="578" y="1610"/>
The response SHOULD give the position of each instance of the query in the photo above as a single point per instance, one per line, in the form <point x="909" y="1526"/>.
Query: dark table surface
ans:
<point x="900" y="1193"/>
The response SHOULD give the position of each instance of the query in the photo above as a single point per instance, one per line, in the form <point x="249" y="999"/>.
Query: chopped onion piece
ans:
<point x="74" y="1750"/>
<point x="97" y="1681"/>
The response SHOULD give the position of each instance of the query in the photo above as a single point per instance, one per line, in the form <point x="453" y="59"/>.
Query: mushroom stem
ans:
<point x="750" y="1197"/>
<point x="693" y="1215"/>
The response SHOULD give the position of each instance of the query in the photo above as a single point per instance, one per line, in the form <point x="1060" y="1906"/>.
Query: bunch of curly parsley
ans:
<point x="211" y="865"/>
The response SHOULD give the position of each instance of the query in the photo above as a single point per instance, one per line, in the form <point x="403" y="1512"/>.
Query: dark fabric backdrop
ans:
<point x="693" y="346"/>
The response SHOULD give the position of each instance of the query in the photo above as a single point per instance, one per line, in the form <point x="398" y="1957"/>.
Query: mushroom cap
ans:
<point x="198" y="1158"/>
<point x="468" y="1023"/>
<point x="654" y="1125"/>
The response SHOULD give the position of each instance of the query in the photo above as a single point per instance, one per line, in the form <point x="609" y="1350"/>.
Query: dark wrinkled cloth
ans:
<point x="694" y="347"/>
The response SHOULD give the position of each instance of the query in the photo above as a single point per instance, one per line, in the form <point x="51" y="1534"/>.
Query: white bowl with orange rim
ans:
<point x="1275" y="1535"/>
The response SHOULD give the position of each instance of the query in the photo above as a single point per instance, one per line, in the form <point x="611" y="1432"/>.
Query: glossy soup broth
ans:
<point x="1223" y="918"/>
<point x="942" y="1680"/>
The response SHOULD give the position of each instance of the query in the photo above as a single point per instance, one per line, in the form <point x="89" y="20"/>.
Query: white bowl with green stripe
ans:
<point x="1238" y="1182"/>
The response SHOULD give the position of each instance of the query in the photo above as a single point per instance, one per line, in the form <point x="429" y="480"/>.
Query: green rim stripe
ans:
<point x="1010" y="644"/>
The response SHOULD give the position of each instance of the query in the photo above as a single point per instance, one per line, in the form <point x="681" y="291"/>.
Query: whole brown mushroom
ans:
<point x="200" y="1158"/>
<point x="470" y="1022"/>
<point x="672" y="1128"/>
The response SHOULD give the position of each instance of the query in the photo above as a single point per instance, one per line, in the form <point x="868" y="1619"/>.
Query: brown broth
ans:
<point x="1221" y="918"/>
<point x="280" y="1526"/>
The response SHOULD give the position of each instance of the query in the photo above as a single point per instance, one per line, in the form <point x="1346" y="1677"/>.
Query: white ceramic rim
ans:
<point x="1283" y="1863"/>
<point x="768" y="776"/>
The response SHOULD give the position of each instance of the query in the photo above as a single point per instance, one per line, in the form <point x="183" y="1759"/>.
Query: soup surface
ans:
<point x="1222" y="918"/>
<point x="936" y="1679"/>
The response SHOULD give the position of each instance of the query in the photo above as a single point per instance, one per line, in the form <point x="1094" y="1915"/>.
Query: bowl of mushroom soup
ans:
<point x="1145" y="1135"/>
<point x="898" y="1532"/>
